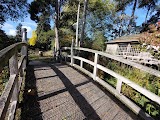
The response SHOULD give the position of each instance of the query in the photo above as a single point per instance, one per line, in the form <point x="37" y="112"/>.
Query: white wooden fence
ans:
<point x="120" y="79"/>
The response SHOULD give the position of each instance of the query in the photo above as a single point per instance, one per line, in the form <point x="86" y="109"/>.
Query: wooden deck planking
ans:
<point x="66" y="94"/>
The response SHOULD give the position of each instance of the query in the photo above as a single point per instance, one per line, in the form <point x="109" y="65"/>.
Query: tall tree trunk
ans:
<point x="84" y="20"/>
<point x="132" y="17"/>
<point x="57" y="46"/>
<point x="121" y="24"/>
<point x="147" y="14"/>
<point x="133" y="11"/>
<point x="77" y="24"/>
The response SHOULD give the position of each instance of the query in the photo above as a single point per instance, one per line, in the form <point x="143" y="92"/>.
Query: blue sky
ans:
<point x="10" y="26"/>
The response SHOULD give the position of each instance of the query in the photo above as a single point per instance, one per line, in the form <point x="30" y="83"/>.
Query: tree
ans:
<point x="19" y="33"/>
<point x="150" y="5"/>
<point x="46" y="40"/>
<point x="56" y="27"/>
<point x="51" y="7"/>
<point x="43" y="27"/>
<point x="99" y="41"/>
<point x="67" y="29"/>
<point x="100" y="17"/>
<point x="3" y="39"/>
<point x="32" y="40"/>
<point x="154" y="18"/>
<point x="133" y="11"/>
<point x="12" y="9"/>
<point x="6" y="40"/>
<point x="121" y="5"/>
<point x="83" y="20"/>
<point x="43" y="23"/>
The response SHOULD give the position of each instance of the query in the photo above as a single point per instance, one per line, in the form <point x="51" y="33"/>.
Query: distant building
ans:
<point x="123" y="45"/>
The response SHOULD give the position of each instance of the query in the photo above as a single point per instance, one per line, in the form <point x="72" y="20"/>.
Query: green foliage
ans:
<point x="66" y="36"/>
<point x="99" y="41"/>
<point x="112" y="81"/>
<point x="67" y="30"/>
<point x="143" y="79"/>
<point x="43" y="24"/>
<point x="12" y="9"/>
<point x="46" y="39"/>
<point x="3" y="38"/>
<point x="4" y="77"/>
<point x="6" y="40"/>
<point x="99" y="17"/>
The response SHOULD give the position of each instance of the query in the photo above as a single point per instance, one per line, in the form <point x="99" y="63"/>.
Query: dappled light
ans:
<point x="80" y="59"/>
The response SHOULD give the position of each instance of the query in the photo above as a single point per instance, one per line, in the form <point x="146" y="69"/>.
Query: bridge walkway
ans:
<point x="60" y="92"/>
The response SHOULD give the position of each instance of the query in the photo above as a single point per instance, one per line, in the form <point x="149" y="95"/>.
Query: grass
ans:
<point x="47" y="56"/>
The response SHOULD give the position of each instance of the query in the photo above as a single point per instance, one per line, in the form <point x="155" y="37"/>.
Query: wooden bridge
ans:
<point x="67" y="91"/>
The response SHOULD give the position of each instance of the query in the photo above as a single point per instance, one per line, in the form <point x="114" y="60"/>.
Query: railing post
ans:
<point x="13" y="66"/>
<point x="72" y="54"/>
<point x="81" y="64"/>
<point x="95" y="66"/>
<point x="24" y="48"/>
<point x="119" y="85"/>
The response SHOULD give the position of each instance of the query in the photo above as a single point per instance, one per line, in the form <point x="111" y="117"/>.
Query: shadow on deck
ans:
<point x="59" y="92"/>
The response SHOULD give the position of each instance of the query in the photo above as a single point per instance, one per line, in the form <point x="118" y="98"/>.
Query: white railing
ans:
<point x="120" y="79"/>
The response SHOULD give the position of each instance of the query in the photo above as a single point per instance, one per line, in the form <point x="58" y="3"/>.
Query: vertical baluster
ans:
<point x="119" y="85"/>
<point x="95" y="66"/>
<point x="72" y="54"/>
<point x="81" y="64"/>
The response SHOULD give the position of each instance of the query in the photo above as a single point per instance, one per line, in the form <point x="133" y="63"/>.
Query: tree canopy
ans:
<point x="12" y="9"/>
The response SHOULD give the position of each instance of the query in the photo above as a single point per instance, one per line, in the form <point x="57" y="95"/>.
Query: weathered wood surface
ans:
<point x="9" y="97"/>
<point x="9" y="51"/>
<point x="63" y="93"/>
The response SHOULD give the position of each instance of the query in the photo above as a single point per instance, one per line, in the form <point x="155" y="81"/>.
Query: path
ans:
<point x="63" y="93"/>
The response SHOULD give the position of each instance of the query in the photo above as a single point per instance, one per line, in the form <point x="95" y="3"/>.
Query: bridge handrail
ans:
<point x="120" y="79"/>
<point x="7" y="53"/>
<point x="122" y="60"/>
<point x="9" y="97"/>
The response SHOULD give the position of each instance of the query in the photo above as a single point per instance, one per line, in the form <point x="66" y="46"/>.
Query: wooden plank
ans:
<point x="121" y="79"/>
<point x="84" y="60"/>
<point x="12" y="110"/>
<point x="62" y="105"/>
<point x="12" y="88"/>
<point x="6" y="96"/>
<point x="140" y="89"/>
<point x="13" y="66"/>
<point x="21" y="61"/>
<point x="83" y="70"/>
<point x="6" y="53"/>
<point x="137" y="110"/>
